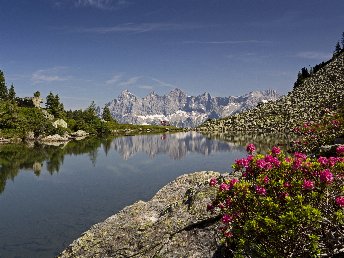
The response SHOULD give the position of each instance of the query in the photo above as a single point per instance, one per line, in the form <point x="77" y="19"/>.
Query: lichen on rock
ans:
<point x="174" y="223"/>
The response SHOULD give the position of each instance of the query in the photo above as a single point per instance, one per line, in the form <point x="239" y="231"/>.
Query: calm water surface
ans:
<point x="49" y="195"/>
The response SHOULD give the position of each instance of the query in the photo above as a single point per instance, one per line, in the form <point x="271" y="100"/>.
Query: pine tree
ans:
<point x="11" y="93"/>
<point x="3" y="88"/>
<point x="343" y="40"/>
<point x="337" y="49"/>
<point x="37" y="94"/>
<point x="107" y="114"/>
<point x="54" y="106"/>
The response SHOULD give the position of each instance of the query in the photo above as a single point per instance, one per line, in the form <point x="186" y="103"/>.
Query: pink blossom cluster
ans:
<point x="260" y="190"/>
<point x="340" y="201"/>
<point x="275" y="150"/>
<point x="326" y="176"/>
<point x="279" y="177"/>
<point x="268" y="162"/>
<point x="330" y="162"/>
<point x="250" y="148"/>
<point x="340" y="150"/>
<point x="228" y="186"/>
<point x="226" y="218"/>
<point x="307" y="184"/>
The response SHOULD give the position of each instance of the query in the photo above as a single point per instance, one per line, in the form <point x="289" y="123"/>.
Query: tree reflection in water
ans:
<point x="17" y="157"/>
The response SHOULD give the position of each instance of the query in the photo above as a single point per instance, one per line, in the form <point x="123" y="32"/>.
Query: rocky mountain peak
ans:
<point x="179" y="109"/>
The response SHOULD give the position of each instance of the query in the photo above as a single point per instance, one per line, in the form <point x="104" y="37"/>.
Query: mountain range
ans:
<point x="182" y="110"/>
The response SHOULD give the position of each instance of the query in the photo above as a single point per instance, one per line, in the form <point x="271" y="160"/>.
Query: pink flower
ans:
<point x="213" y="182"/>
<point x="297" y="164"/>
<point x="340" y="150"/>
<point x="266" y="180"/>
<point x="323" y="161"/>
<point x="286" y="184"/>
<point x="260" y="190"/>
<point x="228" y="234"/>
<point x="340" y="201"/>
<point x="261" y="163"/>
<point x="326" y="176"/>
<point x="249" y="158"/>
<point x="332" y="161"/>
<point x="226" y="218"/>
<point x="275" y="150"/>
<point x="250" y="148"/>
<point x="243" y="163"/>
<point x="224" y="187"/>
<point x="307" y="185"/>
<point x="299" y="155"/>
<point x="233" y="181"/>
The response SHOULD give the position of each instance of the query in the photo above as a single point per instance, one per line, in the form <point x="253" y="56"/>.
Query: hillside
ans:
<point x="182" y="110"/>
<point x="323" y="90"/>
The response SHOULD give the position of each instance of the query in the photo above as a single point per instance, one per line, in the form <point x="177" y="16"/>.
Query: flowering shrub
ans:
<point x="313" y="135"/>
<point x="283" y="205"/>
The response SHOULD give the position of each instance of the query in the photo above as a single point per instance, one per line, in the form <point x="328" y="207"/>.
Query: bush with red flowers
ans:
<point x="283" y="205"/>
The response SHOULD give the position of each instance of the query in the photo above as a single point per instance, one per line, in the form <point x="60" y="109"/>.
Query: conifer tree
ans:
<point x="107" y="114"/>
<point x="3" y="88"/>
<point x="337" y="49"/>
<point x="11" y="93"/>
<point x="342" y="40"/>
<point x="37" y="94"/>
<point x="54" y="106"/>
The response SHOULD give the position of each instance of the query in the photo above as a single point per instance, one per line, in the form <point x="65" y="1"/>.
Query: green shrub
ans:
<point x="282" y="206"/>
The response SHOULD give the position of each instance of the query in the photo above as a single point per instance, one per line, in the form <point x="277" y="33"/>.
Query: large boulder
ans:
<point x="55" y="138"/>
<point x="60" y="123"/>
<point x="79" y="133"/>
<point x="174" y="223"/>
<point x="37" y="101"/>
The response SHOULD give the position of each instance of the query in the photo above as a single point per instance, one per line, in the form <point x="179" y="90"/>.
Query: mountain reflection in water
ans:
<point x="16" y="157"/>
<point x="54" y="193"/>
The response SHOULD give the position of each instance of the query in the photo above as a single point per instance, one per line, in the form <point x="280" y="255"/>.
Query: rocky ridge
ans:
<point x="324" y="89"/>
<point x="182" y="110"/>
<point x="174" y="223"/>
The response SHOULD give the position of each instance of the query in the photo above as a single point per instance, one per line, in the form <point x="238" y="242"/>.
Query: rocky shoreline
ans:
<point x="174" y="223"/>
<point x="55" y="139"/>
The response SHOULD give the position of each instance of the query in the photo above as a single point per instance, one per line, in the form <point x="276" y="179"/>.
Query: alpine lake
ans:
<point x="51" y="194"/>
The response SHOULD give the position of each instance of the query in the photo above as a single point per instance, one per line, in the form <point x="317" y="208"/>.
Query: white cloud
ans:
<point x="49" y="75"/>
<point x="98" y="4"/>
<point x="101" y="4"/>
<point x="146" y="87"/>
<point x="229" y="42"/>
<point x="130" y="81"/>
<point x="139" y="28"/>
<point x="163" y="84"/>
<point x="141" y="82"/>
<point x="115" y="79"/>
<point x="314" y="55"/>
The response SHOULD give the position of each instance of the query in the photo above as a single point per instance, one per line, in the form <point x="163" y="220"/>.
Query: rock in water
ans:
<point x="174" y="223"/>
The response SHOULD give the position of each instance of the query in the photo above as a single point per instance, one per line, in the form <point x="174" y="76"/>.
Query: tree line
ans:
<point x="18" y="116"/>
<point x="305" y="73"/>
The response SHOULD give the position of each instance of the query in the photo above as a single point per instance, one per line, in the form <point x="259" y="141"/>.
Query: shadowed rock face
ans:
<point x="182" y="110"/>
<point x="174" y="223"/>
<point x="325" y="89"/>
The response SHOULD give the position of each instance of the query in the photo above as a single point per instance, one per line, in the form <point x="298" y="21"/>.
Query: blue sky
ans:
<point x="88" y="50"/>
